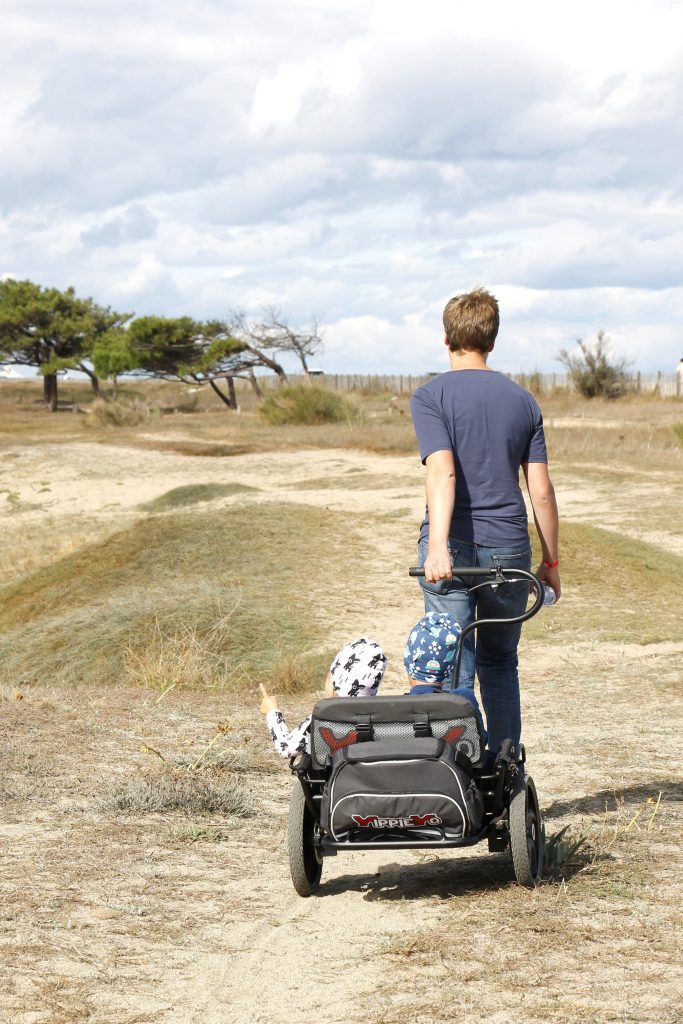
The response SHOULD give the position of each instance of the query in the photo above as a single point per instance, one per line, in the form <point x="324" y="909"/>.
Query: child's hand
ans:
<point x="268" y="703"/>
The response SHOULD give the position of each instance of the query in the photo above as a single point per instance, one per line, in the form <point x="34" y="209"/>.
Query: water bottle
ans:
<point x="549" y="595"/>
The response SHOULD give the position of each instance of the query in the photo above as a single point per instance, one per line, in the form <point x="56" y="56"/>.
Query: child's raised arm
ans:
<point x="286" y="743"/>
<point x="268" y="703"/>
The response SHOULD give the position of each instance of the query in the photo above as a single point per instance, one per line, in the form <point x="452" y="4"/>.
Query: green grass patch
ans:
<point x="192" y="494"/>
<point x="613" y="589"/>
<point x="208" y="599"/>
<point x="564" y="853"/>
<point x="678" y="433"/>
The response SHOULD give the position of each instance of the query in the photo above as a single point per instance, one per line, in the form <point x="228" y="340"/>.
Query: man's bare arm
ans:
<point x="440" y="489"/>
<point x="544" y="505"/>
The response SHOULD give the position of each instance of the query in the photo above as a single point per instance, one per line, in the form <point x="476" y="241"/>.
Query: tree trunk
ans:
<point x="50" y="391"/>
<point x="94" y="379"/>
<point x="272" y="364"/>
<point x="231" y="398"/>
<point x="255" y="384"/>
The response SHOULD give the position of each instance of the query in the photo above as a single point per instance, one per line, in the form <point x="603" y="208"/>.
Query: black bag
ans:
<point x="389" y="786"/>
<point x="338" y="722"/>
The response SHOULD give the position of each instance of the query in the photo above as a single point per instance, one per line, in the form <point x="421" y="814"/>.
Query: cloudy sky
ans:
<point x="361" y="161"/>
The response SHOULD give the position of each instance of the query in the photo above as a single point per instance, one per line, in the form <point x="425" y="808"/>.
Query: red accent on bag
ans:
<point x="454" y="734"/>
<point x="336" y="743"/>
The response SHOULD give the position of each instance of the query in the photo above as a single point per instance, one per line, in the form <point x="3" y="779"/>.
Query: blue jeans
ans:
<point x="494" y="652"/>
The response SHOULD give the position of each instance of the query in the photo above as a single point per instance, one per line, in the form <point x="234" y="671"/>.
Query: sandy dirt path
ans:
<point x="120" y="918"/>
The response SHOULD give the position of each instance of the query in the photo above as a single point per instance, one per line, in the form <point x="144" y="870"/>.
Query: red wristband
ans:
<point x="552" y="565"/>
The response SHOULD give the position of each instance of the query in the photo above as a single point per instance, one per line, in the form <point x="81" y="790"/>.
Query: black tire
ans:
<point x="526" y="833"/>
<point x="305" y="864"/>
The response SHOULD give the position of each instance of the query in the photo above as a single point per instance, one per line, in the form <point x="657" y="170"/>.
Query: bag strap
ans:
<point x="421" y="726"/>
<point x="364" y="728"/>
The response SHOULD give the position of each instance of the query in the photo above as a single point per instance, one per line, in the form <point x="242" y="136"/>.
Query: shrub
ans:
<point x="593" y="373"/>
<point x="118" y="413"/>
<point x="307" y="405"/>
<point x="678" y="431"/>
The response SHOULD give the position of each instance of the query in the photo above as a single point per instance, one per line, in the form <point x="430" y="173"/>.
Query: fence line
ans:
<point x="662" y="385"/>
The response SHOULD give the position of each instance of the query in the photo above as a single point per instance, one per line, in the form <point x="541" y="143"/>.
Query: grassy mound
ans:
<point x="203" y="598"/>
<point x="192" y="494"/>
<point x="306" y="405"/>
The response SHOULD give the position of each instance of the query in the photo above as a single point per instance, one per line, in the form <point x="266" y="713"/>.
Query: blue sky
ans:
<point x="362" y="162"/>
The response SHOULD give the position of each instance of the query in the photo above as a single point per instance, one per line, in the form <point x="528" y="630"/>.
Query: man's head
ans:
<point x="471" y="322"/>
<point x="430" y="649"/>
<point x="358" y="669"/>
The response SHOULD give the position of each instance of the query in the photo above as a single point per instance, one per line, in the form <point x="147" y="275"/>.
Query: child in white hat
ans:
<point x="356" y="671"/>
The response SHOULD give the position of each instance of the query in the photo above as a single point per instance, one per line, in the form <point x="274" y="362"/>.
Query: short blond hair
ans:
<point x="471" y="321"/>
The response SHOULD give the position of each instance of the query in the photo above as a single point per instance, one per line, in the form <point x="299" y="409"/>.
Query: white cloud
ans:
<point x="363" y="161"/>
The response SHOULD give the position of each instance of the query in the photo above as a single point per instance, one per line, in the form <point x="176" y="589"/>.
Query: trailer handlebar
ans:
<point x="493" y="575"/>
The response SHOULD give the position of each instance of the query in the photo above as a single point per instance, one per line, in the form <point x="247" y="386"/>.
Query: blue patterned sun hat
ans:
<point x="430" y="648"/>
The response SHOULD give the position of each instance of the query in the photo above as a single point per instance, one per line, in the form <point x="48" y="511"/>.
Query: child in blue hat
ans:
<point x="429" y="657"/>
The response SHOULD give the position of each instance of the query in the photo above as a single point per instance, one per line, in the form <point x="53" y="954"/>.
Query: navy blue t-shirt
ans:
<point x="492" y="426"/>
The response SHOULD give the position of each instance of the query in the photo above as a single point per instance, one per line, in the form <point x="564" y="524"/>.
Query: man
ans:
<point x="475" y="428"/>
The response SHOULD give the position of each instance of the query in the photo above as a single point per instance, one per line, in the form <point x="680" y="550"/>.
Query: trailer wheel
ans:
<point x="305" y="863"/>
<point x="526" y="833"/>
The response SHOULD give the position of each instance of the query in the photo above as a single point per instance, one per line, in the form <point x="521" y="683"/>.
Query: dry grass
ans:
<point x="194" y="494"/>
<point x="352" y="481"/>
<point x="638" y="428"/>
<point x="613" y="590"/>
<point x="594" y="943"/>
<point x="38" y="542"/>
<point x="294" y="673"/>
<point x="187" y="792"/>
<point x="192" y="656"/>
<point x="177" y="595"/>
<point x="174" y="904"/>
<point x="118" y="413"/>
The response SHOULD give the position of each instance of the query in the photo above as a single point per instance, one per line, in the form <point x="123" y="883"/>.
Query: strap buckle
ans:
<point x="421" y="726"/>
<point x="364" y="728"/>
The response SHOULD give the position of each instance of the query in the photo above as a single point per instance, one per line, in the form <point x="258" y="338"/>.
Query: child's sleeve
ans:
<point x="287" y="743"/>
